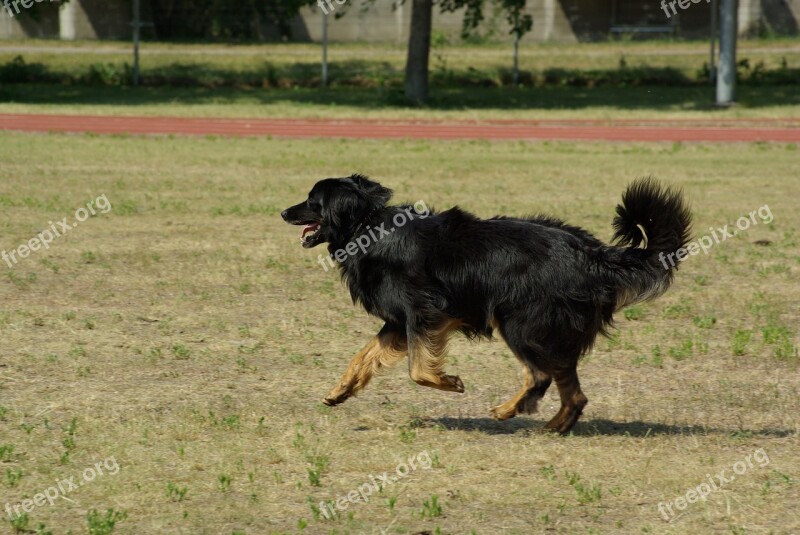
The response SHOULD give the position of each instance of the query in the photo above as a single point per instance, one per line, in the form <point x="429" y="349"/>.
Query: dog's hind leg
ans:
<point x="515" y="332"/>
<point x="572" y="401"/>
<point x="535" y="385"/>
<point x="426" y="352"/>
<point x="387" y="348"/>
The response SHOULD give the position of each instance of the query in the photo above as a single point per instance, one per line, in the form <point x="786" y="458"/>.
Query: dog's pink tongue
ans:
<point x="309" y="228"/>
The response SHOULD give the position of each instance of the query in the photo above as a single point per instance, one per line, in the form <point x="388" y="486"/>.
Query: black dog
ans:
<point x="548" y="287"/>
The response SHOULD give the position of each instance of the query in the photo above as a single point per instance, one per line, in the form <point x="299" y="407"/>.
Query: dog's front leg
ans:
<point x="386" y="349"/>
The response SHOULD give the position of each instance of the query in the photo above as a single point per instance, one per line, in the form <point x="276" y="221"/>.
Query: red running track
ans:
<point x="688" y="130"/>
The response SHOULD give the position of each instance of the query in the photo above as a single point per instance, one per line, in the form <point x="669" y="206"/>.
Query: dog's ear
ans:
<point x="344" y="202"/>
<point x="375" y="193"/>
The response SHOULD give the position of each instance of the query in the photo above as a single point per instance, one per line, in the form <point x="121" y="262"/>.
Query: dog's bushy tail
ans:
<point x="658" y="217"/>
<point x="659" y="210"/>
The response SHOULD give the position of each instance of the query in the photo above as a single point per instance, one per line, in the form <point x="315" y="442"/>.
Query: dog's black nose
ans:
<point x="283" y="214"/>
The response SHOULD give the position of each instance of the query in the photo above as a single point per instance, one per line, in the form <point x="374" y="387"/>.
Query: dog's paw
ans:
<point x="456" y="384"/>
<point x="501" y="412"/>
<point x="335" y="397"/>
<point x="330" y="402"/>
<point x="333" y="400"/>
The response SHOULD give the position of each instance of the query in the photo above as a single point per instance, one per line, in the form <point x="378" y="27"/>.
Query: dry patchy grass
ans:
<point x="188" y="335"/>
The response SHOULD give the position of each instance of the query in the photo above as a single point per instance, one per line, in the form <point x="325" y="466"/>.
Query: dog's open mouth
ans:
<point x="312" y="232"/>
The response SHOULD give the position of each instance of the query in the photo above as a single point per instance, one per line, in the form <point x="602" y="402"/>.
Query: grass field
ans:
<point x="451" y="104"/>
<point x="658" y="79"/>
<point x="186" y="334"/>
<point x="686" y="56"/>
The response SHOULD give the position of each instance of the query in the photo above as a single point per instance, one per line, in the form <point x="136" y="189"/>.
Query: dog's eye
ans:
<point x="313" y="205"/>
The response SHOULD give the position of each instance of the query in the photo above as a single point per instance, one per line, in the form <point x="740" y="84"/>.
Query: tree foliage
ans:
<point x="223" y="19"/>
<point x="281" y="12"/>
<point x="516" y="17"/>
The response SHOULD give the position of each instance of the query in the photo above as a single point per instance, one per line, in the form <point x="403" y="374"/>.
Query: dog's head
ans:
<point x="335" y="206"/>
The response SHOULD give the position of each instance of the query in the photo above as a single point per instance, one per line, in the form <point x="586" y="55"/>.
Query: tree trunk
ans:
<point x="419" y="45"/>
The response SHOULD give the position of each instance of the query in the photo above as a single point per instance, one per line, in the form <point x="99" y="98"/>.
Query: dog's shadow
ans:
<point x="595" y="427"/>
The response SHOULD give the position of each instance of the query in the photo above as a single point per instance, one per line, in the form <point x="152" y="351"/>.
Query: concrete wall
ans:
<point x="99" y="19"/>
<point x="554" y="20"/>
<point x="781" y="16"/>
<point x="749" y="16"/>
